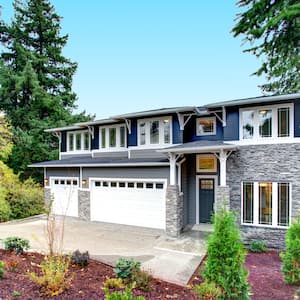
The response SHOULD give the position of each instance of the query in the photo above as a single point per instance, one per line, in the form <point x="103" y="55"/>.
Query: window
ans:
<point x="266" y="122"/>
<point x="78" y="141"/>
<point x="154" y="132"/>
<point x="206" y="163"/>
<point x="112" y="137"/>
<point x="266" y="203"/>
<point x="206" y="126"/>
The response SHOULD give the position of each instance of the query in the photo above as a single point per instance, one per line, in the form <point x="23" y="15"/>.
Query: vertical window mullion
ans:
<point x="274" y="122"/>
<point x="255" y="203"/>
<point x="274" y="203"/>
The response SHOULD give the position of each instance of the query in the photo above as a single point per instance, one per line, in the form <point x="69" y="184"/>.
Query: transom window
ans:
<point x="206" y="126"/>
<point x="266" y="203"/>
<point x="154" y="131"/>
<point x="266" y="122"/>
<point x="78" y="141"/>
<point x="112" y="137"/>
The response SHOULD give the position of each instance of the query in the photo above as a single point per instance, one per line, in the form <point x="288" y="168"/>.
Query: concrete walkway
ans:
<point x="173" y="260"/>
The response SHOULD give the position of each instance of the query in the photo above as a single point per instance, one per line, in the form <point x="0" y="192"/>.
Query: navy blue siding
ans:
<point x="231" y="130"/>
<point x="297" y="118"/>
<point x="177" y="134"/>
<point x="132" y="138"/>
<point x="95" y="141"/>
<point x="63" y="145"/>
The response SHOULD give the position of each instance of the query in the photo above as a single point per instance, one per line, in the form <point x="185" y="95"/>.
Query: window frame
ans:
<point x="82" y="141"/>
<point x="118" y="146"/>
<point x="214" y="132"/>
<point x="161" y="132"/>
<point x="275" y="204"/>
<point x="274" y="123"/>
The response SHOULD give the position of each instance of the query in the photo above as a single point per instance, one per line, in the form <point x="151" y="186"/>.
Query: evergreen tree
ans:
<point x="36" y="82"/>
<point x="272" y="28"/>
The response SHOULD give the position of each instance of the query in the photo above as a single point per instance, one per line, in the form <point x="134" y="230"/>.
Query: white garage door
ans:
<point x="125" y="201"/>
<point x="65" y="193"/>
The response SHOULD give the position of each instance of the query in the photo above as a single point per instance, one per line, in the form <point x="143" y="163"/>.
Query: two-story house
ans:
<point x="172" y="167"/>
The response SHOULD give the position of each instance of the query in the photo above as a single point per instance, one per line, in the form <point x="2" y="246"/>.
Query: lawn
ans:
<point x="265" y="279"/>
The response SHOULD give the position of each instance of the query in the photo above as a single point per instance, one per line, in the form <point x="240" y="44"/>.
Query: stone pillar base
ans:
<point x="174" y="211"/>
<point x="84" y="205"/>
<point x="222" y="198"/>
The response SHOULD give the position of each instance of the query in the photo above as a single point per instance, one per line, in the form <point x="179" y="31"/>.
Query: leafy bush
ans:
<point x="126" y="295"/>
<point x="80" y="258"/>
<point x="113" y="283"/>
<point x="207" y="290"/>
<point x="125" y="267"/>
<point x="141" y="279"/>
<point x="55" y="278"/>
<point x="16" y="294"/>
<point x="16" y="244"/>
<point x="258" y="246"/>
<point x="291" y="257"/>
<point x="226" y="257"/>
<point x="5" y="211"/>
<point x="1" y="269"/>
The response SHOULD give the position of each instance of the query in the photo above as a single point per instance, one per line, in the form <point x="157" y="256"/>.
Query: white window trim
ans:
<point x="82" y="132"/>
<point x="161" y="143"/>
<point x="198" y="170"/>
<point x="274" y="204"/>
<point x="53" y="178"/>
<point x="107" y="147"/>
<point x="206" y="133"/>
<point x="256" y="138"/>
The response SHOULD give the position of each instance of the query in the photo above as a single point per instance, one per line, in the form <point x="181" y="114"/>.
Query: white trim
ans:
<point x="52" y="178"/>
<point x="199" y="149"/>
<point x="198" y="170"/>
<point x="215" y="177"/>
<point x="206" y="133"/>
<point x="274" y="124"/>
<point x="265" y="141"/>
<point x="161" y="136"/>
<point x="74" y="151"/>
<point x="274" y="204"/>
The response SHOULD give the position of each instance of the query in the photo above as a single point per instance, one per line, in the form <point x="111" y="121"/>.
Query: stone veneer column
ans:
<point x="47" y="196"/>
<point x="84" y="205"/>
<point x="222" y="198"/>
<point x="174" y="211"/>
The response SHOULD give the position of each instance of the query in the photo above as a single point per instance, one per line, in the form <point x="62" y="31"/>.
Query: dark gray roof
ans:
<point x="199" y="146"/>
<point x="95" y="162"/>
<point x="254" y="100"/>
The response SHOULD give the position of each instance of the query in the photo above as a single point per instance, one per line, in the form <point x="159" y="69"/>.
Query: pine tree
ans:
<point x="36" y="82"/>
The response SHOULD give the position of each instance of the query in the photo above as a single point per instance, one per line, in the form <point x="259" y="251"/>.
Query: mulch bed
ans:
<point x="265" y="279"/>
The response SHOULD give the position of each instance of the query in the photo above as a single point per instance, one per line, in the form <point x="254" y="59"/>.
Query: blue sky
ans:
<point x="135" y="55"/>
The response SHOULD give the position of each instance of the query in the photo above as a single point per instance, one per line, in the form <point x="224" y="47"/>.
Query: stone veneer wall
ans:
<point x="47" y="195"/>
<point x="222" y="197"/>
<point x="84" y="205"/>
<point x="274" y="163"/>
<point x="174" y="211"/>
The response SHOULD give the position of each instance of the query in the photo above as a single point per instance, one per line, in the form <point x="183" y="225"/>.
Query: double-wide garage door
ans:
<point x="65" y="196"/>
<point x="131" y="202"/>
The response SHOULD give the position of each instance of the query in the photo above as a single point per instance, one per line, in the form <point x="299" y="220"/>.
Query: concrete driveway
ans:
<point x="173" y="260"/>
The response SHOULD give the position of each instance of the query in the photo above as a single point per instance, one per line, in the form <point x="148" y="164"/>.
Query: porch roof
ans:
<point x="199" y="147"/>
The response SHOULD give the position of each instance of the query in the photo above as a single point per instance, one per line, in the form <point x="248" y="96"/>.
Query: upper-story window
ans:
<point x="78" y="141"/>
<point x="206" y="126"/>
<point x="112" y="137"/>
<point x="266" y="122"/>
<point x="154" y="132"/>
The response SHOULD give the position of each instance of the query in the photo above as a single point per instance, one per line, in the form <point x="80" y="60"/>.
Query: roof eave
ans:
<point x="196" y="149"/>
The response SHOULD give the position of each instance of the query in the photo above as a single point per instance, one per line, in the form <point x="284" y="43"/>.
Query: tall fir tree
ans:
<point x="36" y="82"/>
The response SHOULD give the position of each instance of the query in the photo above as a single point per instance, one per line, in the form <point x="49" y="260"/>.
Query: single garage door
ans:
<point x="65" y="193"/>
<point x="125" y="201"/>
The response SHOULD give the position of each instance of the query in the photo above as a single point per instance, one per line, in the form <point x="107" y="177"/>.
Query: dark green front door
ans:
<point x="206" y="199"/>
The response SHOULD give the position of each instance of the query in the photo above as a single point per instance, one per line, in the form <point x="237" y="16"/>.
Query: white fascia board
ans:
<point x="102" y="165"/>
<point x="198" y="149"/>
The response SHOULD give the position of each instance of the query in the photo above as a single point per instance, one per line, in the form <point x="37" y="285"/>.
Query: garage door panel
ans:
<point x="128" y="204"/>
<point x="65" y="196"/>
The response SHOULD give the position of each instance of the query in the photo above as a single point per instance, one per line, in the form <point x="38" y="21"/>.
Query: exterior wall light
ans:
<point x="84" y="182"/>
<point x="46" y="181"/>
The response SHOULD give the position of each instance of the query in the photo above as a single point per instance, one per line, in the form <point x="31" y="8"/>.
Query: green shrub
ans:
<point x="5" y="211"/>
<point x="80" y="258"/>
<point x="258" y="246"/>
<point x="1" y="269"/>
<point x="207" y="291"/>
<point x="291" y="257"/>
<point x="226" y="257"/>
<point x="113" y="283"/>
<point x="16" y="244"/>
<point x="55" y="278"/>
<point x="125" y="267"/>
<point x="16" y="294"/>
<point x="141" y="279"/>
<point x="121" y="295"/>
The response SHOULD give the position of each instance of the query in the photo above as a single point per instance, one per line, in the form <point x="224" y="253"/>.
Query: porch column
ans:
<point x="172" y="159"/>
<point x="222" y="159"/>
